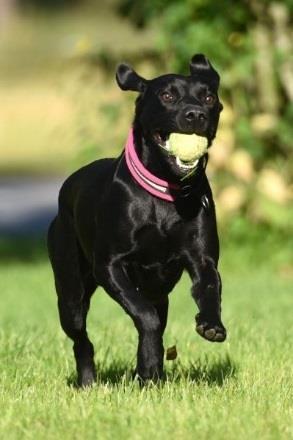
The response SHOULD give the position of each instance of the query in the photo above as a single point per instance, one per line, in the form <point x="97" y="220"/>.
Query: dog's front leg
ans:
<point x="206" y="290"/>
<point x="144" y="315"/>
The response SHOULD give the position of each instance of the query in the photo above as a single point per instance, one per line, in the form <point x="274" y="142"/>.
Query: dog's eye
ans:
<point x="209" y="99"/>
<point x="167" y="97"/>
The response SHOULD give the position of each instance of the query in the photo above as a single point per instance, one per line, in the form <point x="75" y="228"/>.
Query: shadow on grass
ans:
<point x="211" y="373"/>
<point x="113" y="374"/>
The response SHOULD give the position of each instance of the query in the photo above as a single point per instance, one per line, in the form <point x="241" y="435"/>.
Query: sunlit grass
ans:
<point x="239" y="389"/>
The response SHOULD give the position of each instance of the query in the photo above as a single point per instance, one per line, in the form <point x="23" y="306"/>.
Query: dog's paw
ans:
<point x="86" y="378"/>
<point x="212" y="331"/>
<point x="148" y="375"/>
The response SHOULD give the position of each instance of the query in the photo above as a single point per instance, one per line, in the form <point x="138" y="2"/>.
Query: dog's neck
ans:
<point x="151" y="183"/>
<point x="150" y="173"/>
<point x="152" y="159"/>
<point x="150" y="156"/>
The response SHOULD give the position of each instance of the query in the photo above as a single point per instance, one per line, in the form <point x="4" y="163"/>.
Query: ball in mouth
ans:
<point x="187" y="148"/>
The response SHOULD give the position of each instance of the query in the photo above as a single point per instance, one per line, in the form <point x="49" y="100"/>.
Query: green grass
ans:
<point x="241" y="389"/>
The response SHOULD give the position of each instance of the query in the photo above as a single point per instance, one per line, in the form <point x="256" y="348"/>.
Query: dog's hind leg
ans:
<point x="144" y="315"/>
<point x="74" y="286"/>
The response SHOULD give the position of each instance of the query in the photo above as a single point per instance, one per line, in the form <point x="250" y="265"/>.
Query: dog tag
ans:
<point x="171" y="353"/>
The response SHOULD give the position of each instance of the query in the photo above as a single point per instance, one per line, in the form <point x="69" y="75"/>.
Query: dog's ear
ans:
<point x="128" y="79"/>
<point x="200" y="66"/>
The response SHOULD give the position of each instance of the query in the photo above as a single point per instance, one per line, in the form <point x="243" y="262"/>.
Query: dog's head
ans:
<point x="175" y="103"/>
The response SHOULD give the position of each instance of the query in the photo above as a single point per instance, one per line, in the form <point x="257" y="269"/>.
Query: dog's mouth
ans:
<point x="186" y="149"/>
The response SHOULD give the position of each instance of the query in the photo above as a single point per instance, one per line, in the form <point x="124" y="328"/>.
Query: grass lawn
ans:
<point x="241" y="389"/>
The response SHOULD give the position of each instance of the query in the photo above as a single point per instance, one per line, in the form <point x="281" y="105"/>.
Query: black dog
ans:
<point x="112" y="231"/>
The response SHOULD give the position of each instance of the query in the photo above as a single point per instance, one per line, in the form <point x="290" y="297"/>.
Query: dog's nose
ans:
<point x="195" y="115"/>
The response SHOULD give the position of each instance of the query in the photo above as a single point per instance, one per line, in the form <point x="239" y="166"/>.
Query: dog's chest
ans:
<point x="155" y="264"/>
<point x="158" y="236"/>
<point x="155" y="243"/>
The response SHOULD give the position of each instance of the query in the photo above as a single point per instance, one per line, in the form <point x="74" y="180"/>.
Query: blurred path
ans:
<point x="27" y="204"/>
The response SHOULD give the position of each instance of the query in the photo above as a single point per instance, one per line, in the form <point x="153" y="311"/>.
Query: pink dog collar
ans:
<point x="155" y="186"/>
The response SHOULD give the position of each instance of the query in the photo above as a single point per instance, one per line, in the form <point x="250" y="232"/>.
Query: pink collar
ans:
<point x="155" y="186"/>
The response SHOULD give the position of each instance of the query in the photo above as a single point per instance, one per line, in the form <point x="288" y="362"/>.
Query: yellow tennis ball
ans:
<point x="188" y="147"/>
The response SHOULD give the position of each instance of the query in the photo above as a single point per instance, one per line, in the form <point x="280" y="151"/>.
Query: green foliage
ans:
<point x="68" y="110"/>
<point x="250" y="44"/>
<point x="226" y="33"/>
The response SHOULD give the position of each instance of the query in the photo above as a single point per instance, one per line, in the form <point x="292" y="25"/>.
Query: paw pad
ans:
<point x="211" y="332"/>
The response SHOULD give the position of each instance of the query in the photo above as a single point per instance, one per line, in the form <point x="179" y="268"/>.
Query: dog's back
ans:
<point x="79" y="198"/>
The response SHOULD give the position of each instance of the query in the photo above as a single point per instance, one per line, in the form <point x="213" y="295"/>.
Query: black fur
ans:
<point x="110" y="232"/>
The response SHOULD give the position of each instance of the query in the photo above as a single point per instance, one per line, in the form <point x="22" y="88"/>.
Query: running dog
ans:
<point x="132" y="224"/>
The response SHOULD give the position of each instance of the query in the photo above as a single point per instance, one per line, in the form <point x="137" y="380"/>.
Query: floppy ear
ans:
<point x="200" y="66"/>
<point x="128" y="79"/>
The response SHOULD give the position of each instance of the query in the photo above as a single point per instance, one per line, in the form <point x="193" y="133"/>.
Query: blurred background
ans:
<point x="61" y="108"/>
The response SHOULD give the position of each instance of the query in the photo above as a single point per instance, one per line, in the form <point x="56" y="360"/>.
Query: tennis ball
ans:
<point x="188" y="147"/>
